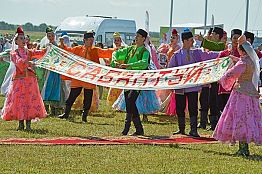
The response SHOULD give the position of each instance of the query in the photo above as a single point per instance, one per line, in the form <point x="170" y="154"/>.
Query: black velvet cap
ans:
<point x="219" y="31"/>
<point x="142" y="32"/>
<point x="210" y="31"/>
<point x="236" y="31"/>
<point x="250" y="36"/>
<point x="186" y="35"/>
<point x="89" y="34"/>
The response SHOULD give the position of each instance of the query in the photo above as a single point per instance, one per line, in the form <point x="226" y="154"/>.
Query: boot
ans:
<point x="127" y="124"/>
<point x="28" y="125"/>
<point x="21" y="125"/>
<point x="203" y="120"/>
<point x="213" y="123"/>
<point x="193" y="127"/>
<point x="138" y="125"/>
<point x="145" y="119"/>
<point x="47" y="109"/>
<point x="53" y="111"/>
<point x="243" y="150"/>
<point x="84" y="116"/>
<point x="101" y="89"/>
<point x="58" y="111"/>
<point x="181" y="126"/>
<point x="66" y="114"/>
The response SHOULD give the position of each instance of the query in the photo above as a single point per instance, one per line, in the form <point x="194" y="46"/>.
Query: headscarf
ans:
<point x="253" y="56"/>
<point x="152" y="53"/>
<point x="115" y="35"/>
<point x="11" y="69"/>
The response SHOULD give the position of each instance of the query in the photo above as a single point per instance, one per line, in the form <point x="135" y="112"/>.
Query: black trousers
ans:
<point x="132" y="113"/>
<point x="222" y="101"/>
<point x="204" y="105"/>
<point x="213" y="104"/>
<point x="130" y="99"/>
<point x="192" y="98"/>
<point x="204" y="99"/>
<point x="74" y="93"/>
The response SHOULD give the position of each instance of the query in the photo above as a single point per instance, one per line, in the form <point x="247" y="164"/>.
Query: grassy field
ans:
<point x="211" y="158"/>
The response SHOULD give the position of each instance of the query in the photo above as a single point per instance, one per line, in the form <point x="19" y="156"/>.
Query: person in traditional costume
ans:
<point x="184" y="56"/>
<point x="132" y="58"/>
<point x="209" y="93"/>
<point x="250" y="37"/>
<point x="4" y="64"/>
<point x="167" y="50"/>
<point x="223" y="95"/>
<point x="174" y="46"/>
<point x="23" y="99"/>
<point x="214" y="42"/>
<point x="241" y="119"/>
<point x="168" y="96"/>
<point x="53" y="92"/>
<point x="147" y="101"/>
<point x="97" y="93"/>
<point x="114" y="93"/>
<point x="92" y="53"/>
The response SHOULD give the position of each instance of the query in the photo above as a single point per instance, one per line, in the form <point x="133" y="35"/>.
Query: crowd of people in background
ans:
<point x="218" y="100"/>
<point x="6" y="42"/>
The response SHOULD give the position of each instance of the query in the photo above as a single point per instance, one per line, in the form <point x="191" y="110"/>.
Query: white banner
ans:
<point x="70" y="65"/>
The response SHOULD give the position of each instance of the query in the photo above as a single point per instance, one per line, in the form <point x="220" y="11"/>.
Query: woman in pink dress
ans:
<point x="241" y="119"/>
<point x="168" y="96"/>
<point x="23" y="98"/>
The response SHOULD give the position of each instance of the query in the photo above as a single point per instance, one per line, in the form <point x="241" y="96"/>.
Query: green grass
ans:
<point x="204" y="158"/>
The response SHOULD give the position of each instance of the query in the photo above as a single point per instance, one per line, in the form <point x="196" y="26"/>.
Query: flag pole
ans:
<point x="246" y="23"/>
<point x="205" y="23"/>
<point x="171" y="19"/>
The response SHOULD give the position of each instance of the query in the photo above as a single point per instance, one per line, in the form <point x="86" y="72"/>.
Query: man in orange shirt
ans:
<point x="90" y="52"/>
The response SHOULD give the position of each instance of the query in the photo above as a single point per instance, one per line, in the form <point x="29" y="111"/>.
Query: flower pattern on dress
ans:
<point x="23" y="100"/>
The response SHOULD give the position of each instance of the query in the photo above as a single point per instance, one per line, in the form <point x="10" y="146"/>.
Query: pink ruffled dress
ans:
<point x="241" y="119"/>
<point x="23" y="100"/>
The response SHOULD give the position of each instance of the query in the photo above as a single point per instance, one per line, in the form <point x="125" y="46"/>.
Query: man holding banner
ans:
<point x="184" y="56"/>
<point x="92" y="53"/>
<point x="132" y="58"/>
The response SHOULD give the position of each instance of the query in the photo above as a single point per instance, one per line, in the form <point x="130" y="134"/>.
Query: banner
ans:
<point x="68" y="64"/>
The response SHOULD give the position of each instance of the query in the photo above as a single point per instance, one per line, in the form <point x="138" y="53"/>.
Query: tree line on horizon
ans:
<point x="27" y="26"/>
<point x="42" y="27"/>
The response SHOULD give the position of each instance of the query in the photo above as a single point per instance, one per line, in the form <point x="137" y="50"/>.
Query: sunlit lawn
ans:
<point x="202" y="158"/>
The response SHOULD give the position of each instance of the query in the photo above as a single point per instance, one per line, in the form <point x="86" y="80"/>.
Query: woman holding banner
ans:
<point x="23" y="98"/>
<point x="114" y="93"/>
<point x="241" y="119"/>
<point x="168" y="96"/>
<point x="54" y="89"/>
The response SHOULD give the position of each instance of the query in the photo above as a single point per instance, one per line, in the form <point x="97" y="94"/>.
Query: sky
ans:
<point x="231" y="13"/>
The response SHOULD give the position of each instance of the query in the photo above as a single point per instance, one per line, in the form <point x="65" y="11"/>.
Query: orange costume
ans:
<point x="90" y="53"/>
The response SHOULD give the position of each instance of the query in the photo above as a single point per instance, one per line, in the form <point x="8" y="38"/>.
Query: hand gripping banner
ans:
<point x="70" y="65"/>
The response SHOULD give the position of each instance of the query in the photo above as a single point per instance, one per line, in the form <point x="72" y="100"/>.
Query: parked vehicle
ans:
<point x="104" y="27"/>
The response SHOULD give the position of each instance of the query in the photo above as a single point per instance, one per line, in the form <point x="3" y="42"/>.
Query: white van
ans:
<point x="104" y="27"/>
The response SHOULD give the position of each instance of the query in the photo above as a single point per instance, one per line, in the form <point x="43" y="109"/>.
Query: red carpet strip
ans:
<point x="110" y="141"/>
